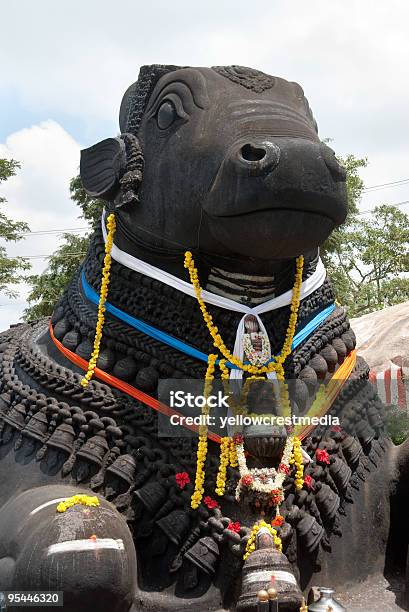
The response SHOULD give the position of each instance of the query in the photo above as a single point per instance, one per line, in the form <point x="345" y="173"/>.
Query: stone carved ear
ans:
<point x="102" y="167"/>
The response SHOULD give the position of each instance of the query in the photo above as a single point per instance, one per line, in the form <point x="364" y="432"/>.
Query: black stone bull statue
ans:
<point x="226" y="163"/>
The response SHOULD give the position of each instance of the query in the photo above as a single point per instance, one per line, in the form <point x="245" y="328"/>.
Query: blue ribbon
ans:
<point x="177" y="344"/>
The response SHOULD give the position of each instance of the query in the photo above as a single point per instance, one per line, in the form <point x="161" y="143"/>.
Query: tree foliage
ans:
<point x="355" y="188"/>
<point x="370" y="264"/>
<point x="11" y="268"/>
<point x="47" y="287"/>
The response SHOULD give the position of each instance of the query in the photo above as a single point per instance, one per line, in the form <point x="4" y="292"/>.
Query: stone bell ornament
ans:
<point x="264" y="569"/>
<point x="62" y="439"/>
<point x="204" y="555"/>
<point x="124" y="467"/>
<point x="326" y="602"/>
<point x="94" y="450"/>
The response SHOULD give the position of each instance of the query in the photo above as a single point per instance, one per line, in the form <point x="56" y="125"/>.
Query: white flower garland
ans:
<point x="257" y="358"/>
<point x="264" y="480"/>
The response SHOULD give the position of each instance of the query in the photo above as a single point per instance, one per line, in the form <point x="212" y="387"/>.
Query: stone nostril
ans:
<point x="252" y="153"/>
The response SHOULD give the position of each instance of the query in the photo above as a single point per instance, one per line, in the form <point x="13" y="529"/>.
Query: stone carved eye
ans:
<point x="166" y="115"/>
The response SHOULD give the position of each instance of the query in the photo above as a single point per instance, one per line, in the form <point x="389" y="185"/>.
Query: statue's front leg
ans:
<point x="85" y="551"/>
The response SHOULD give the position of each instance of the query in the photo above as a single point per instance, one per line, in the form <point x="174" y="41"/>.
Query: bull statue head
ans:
<point x="225" y="161"/>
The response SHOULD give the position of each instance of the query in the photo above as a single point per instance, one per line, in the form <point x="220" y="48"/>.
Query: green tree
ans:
<point x="370" y="265"/>
<point x="355" y="187"/>
<point x="47" y="287"/>
<point x="11" y="268"/>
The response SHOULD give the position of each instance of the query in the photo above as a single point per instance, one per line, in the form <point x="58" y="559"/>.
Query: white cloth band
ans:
<point x="311" y="284"/>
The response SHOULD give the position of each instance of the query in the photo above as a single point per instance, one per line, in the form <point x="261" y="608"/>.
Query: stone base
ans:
<point x="376" y="594"/>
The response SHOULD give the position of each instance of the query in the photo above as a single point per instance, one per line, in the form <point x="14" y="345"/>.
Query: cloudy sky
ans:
<point x="65" y="65"/>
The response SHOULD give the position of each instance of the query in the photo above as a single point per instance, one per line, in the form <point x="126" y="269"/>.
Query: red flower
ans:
<point x="210" y="503"/>
<point x="276" y="496"/>
<point x="284" y="468"/>
<point x="247" y="480"/>
<point x="322" y="455"/>
<point x="308" y="481"/>
<point x="238" y="438"/>
<point x="182" y="479"/>
<point x="234" y="526"/>
<point x="277" y="521"/>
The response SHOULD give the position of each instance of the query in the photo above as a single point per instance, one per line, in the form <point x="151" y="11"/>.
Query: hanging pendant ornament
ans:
<point x="234" y="358"/>
<point x="111" y="226"/>
<point x="265" y="485"/>
<point x="256" y="345"/>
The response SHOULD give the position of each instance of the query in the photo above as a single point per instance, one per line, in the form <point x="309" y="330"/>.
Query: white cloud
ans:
<point x="39" y="195"/>
<point x="79" y="57"/>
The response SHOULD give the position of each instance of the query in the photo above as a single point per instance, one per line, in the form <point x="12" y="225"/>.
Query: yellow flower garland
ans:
<point x="228" y="453"/>
<point x="251" y="544"/>
<point x="277" y="364"/>
<point x="299" y="468"/>
<point x="202" y="444"/>
<point x="225" y="449"/>
<point x="111" y="226"/>
<point x="84" y="500"/>
<point x="233" y="454"/>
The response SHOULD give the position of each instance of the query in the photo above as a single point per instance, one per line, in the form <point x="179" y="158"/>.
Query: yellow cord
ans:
<point x="111" y="226"/>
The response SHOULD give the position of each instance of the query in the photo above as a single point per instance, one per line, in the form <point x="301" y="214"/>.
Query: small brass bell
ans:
<point x="272" y="594"/>
<point x="263" y="601"/>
